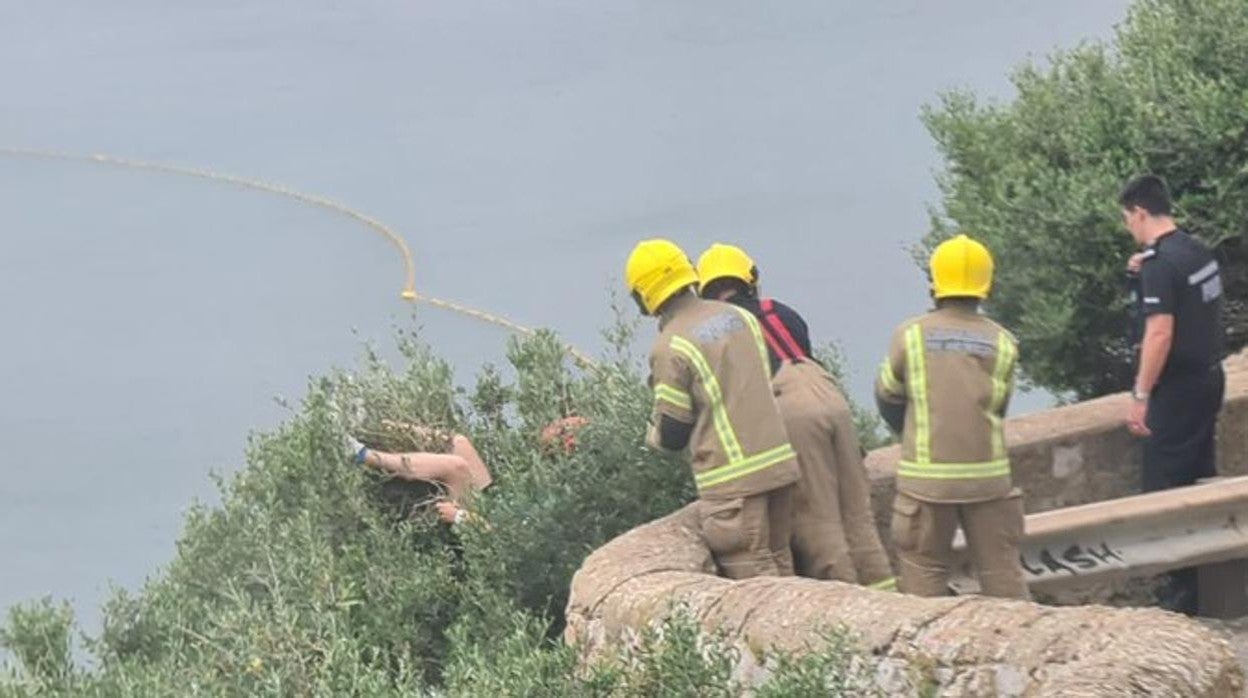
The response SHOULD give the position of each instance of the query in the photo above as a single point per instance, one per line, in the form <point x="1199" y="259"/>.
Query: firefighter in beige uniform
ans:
<point x="712" y="399"/>
<point x="945" y="386"/>
<point x="834" y="533"/>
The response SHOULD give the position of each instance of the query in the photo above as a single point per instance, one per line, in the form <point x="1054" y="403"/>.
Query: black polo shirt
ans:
<point x="1180" y="277"/>
<point x="788" y="316"/>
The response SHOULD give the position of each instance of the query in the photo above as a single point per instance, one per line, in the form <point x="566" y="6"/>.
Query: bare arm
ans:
<point x="447" y="469"/>
<point x="1158" y="337"/>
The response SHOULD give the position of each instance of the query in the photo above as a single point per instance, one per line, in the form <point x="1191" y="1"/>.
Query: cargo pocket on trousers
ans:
<point x="722" y="525"/>
<point x="905" y="523"/>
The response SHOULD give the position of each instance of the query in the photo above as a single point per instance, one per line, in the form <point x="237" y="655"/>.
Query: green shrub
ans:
<point x="40" y="635"/>
<point x="314" y="576"/>
<point x="676" y="659"/>
<point x="1037" y="179"/>
<point x="672" y="659"/>
<point x="317" y="577"/>
<point x="512" y="657"/>
<point x="827" y="669"/>
<point x="872" y="432"/>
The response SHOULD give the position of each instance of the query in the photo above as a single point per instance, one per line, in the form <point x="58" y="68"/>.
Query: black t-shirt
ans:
<point x="778" y="348"/>
<point x="1180" y="277"/>
<point x="1135" y="313"/>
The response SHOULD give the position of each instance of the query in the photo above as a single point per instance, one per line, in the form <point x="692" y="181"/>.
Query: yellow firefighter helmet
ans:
<point x="961" y="267"/>
<point x="657" y="270"/>
<point x="722" y="261"/>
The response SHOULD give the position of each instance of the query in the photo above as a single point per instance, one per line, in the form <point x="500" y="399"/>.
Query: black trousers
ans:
<point x="1183" y="416"/>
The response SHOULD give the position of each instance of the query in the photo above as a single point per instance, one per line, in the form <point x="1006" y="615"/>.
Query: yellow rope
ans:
<point x="409" y="283"/>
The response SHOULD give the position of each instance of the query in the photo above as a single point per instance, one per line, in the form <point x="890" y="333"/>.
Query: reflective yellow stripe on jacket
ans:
<point x="1001" y="376"/>
<point x="916" y="374"/>
<point x="954" y="471"/>
<point x="747" y="466"/>
<point x="889" y="380"/>
<point x="738" y="465"/>
<point x="759" y="342"/>
<point x="670" y="394"/>
<point x="719" y="414"/>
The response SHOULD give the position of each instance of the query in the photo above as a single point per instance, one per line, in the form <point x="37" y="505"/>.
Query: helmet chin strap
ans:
<point x="641" y="304"/>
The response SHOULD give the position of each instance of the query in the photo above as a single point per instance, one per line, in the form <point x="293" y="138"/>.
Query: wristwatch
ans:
<point x="1139" y="395"/>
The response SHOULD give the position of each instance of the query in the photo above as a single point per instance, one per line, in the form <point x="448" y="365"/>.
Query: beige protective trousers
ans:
<point x="923" y="534"/>
<point x="834" y="532"/>
<point x="749" y="536"/>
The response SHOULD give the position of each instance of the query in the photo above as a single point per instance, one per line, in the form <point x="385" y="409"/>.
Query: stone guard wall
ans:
<point x="959" y="646"/>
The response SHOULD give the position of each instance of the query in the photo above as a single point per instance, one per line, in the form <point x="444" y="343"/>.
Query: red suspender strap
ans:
<point x="773" y="325"/>
<point x="773" y="343"/>
<point x="765" y="308"/>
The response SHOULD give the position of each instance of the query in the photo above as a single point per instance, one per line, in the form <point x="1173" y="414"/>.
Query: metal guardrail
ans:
<point x="1137" y="536"/>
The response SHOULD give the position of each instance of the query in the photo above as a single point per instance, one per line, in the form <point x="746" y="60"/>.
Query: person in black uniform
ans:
<point x="1179" y="382"/>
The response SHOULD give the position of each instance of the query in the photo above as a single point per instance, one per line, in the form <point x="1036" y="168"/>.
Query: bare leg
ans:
<point x="448" y="469"/>
<point x="461" y="471"/>
<point x="478" y="474"/>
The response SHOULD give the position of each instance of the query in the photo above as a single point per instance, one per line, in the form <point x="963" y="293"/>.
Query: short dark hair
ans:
<point x="725" y="283"/>
<point x="1148" y="192"/>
